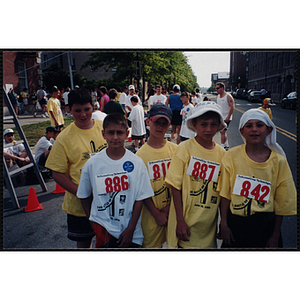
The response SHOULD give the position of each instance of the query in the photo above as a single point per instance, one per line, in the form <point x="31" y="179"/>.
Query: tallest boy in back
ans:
<point x="71" y="150"/>
<point x="193" y="177"/>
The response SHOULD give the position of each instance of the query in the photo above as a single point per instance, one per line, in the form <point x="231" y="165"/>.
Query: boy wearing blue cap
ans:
<point x="157" y="153"/>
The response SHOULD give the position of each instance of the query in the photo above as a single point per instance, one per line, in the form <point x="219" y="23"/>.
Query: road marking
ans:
<point x="290" y="135"/>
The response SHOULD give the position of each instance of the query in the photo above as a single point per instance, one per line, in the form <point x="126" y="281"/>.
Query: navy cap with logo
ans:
<point x="160" y="110"/>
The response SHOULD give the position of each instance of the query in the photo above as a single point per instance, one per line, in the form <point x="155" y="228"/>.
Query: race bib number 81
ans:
<point x="203" y="169"/>
<point x="158" y="168"/>
<point x="110" y="183"/>
<point x="254" y="188"/>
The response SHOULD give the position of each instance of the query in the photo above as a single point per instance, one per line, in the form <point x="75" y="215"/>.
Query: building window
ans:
<point x="22" y="75"/>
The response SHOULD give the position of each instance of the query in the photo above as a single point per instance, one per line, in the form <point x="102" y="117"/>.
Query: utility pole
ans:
<point x="70" y="70"/>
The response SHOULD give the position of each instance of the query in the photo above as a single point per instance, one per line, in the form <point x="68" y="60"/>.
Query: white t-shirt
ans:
<point x="137" y="120"/>
<point x="186" y="112"/>
<point x="128" y="101"/>
<point x="13" y="150"/>
<point x="116" y="185"/>
<point x="65" y="96"/>
<point x="157" y="99"/>
<point x="122" y="98"/>
<point x="42" y="146"/>
<point x="99" y="115"/>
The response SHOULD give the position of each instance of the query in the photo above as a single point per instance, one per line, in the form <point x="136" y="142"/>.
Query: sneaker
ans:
<point x="46" y="114"/>
<point x="34" y="115"/>
<point x="43" y="116"/>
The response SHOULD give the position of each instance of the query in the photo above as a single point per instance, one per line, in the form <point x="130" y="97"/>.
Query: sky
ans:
<point x="205" y="63"/>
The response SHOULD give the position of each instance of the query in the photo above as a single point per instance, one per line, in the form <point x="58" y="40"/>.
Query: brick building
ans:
<point x="239" y="69"/>
<point x="273" y="70"/>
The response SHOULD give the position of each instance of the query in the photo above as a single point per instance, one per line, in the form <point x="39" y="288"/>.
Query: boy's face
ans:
<point x="55" y="94"/>
<point x="206" y="129"/>
<point x="9" y="138"/>
<point x="115" y="136"/>
<point x="159" y="128"/>
<point x="82" y="114"/>
<point x="255" y="132"/>
<point x="184" y="99"/>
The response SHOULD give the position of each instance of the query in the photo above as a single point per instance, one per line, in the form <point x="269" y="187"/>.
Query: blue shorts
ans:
<point x="79" y="228"/>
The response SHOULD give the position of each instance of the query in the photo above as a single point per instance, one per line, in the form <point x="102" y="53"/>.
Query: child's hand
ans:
<point x="272" y="242"/>
<point x="161" y="219"/>
<point x="125" y="239"/>
<point x="226" y="235"/>
<point x="166" y="209"/>
<point x="183" y="231"/>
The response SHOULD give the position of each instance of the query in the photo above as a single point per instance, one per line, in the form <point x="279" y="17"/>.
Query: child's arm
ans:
<point x="273" y="240"/>
<point x="86" y="205"/>
<point x="54" y="118"/>
<point x="160" y="217"/>
<point x="65" y="182"/>
<point x="226" y="233"/>
<point x="125" y="239"/>
<point x="182" y="229"/>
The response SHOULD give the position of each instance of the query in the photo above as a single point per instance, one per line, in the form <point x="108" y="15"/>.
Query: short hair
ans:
<point x="112" y="94"/>
<point x="103" y="89"/>
<point x="221" y="84"/>
<point x="134" y="99"/>
<point x="54" y="89"/>
<point x="79" y="96"/>
<point x="115" y="118"/>
<point x="197" y="90"/>
<point x="186" y="94"/>
<point x="158" y="86"/>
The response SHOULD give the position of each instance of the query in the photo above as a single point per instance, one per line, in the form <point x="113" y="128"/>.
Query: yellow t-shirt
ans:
<point x="156" y="161"/>
<point x="69" y="154"/>
<point x="54" y="105"/>
<point x="267" y="111"/>
<point x="270" y="181"/>
<point x="200" y="199"/>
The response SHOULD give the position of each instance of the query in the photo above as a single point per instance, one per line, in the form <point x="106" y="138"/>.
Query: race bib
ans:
<point x="203" y="169"/>
<point x="59" y="111"/>
<point x="110" y="183"/>
<point x="158" y="168"/>
<point x="250" y="187"/>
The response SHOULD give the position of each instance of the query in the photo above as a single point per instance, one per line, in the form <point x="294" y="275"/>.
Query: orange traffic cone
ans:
<point x="58" y="189"/>
<point x="33" y="202"/>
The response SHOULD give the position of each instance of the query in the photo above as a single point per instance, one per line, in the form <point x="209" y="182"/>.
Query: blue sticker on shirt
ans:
<point x="188" y="109"/>
<point x="128" y="166"/>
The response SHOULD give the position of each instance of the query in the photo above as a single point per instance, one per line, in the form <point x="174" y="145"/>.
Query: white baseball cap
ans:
<point x="8" y="131"/>
<point x="200" y="109"/>
<point x="131" y="87"/>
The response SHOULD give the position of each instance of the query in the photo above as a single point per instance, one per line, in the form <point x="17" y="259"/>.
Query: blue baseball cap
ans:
<point x="160" y="110"/>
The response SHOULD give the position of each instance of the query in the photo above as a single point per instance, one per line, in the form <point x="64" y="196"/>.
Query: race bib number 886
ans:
<point x="254" y="188"/>
<point x="110" y="183"/>
<point x="204" y="169"/>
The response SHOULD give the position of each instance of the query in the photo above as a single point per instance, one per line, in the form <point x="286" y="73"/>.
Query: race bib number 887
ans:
<point x="204" y="169"/>
<point x="254" y="188"/>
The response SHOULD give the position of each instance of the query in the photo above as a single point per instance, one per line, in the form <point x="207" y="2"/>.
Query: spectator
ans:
<point x="113" y="106"/>
<point x="13" y="99"/>
<point x="54" y="109"/>
<point x="44" y="145"/>
<point x="138" y="124"/>
<point x="25" y="97"/>
<point x="65" y="96"/>
<point x="123" y="97"/>
<point x="15" y="154"/>
<point x="104" y="97"/>
<point x="41" y="97"/>
<point x="158" y="97"/>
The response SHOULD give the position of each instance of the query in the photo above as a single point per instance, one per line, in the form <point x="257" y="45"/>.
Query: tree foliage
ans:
<point x="166" y="68"/>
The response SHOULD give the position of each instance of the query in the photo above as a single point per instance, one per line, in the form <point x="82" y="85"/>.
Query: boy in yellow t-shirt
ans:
<point x="54" y="109"/>
<point x="193" y="178"/>
<point x="157" y="154"/>
<point x="71" y="150"/>
<point x="256" y="186"/>
<point x="267" y="107"/>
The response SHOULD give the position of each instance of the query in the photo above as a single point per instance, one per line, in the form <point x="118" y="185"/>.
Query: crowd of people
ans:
<point x="166" y="191"/>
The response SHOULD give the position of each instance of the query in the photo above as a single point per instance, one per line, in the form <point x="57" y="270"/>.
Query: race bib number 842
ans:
<point x="203" y="169"/>
<point x="254" y="188"/>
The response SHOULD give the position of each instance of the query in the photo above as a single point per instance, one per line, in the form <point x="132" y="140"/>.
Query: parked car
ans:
<point x="254" y="96"/>
<point x="289" y="101"/>
<point x="248" y="94"/>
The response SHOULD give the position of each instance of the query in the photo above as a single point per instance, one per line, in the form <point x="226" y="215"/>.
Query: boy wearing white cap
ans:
<point x="157" y="154"/>
<point x="193" y="177"/>
<point x="256" y="186"/>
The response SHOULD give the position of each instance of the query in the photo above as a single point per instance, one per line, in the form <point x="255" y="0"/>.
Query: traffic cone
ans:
<point x="58" y="189"/>
<point x="33" y="202"/>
